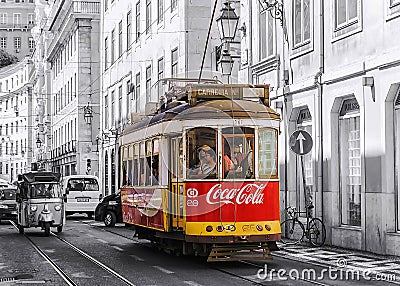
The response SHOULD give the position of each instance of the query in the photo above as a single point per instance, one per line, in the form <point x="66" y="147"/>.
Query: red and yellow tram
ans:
<point x="200" y="176"/>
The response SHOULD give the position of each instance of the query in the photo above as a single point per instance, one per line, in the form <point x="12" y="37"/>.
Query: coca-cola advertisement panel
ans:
<point x="232" y="201"/>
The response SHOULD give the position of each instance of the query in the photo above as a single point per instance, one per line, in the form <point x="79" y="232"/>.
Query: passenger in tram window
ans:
<point x="154" y="172"/>
<point x="195" y="167"/>
<point x="228" y="163"/>
<point x="208" y="167"/>
<point x="237" y="156"/>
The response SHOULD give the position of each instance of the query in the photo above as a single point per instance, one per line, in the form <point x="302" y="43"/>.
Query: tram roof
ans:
<point x="214" y="109"/>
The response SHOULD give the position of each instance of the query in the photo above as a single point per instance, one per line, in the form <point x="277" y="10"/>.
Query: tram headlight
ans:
<point x="267" y="227"/>
<point x="220" y="228"/>
<point x="57" y="207"/>
<point x="33" y="208"/>
<point x="259" y="227"/>
<point x="209" y="228"/>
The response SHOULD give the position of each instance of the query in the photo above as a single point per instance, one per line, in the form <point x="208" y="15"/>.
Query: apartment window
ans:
<point x="301" y="21"/>
<point x="106" y="114"/>
<point x="105" y="5"/>
<point x="128" y="29"/>
<point x="31" y="19"/>
<point x="174" y="63"/>
<point x="137" y="92"/>
<point x="174" y="4"/>
<point x="266" y="35"/>
<point x="112" y="46"/>
<point x="350" y="163"/>
<point x="31" y="43"/>
<point x="128" y="98"/>
<point x="397" y="156"/>
<point x="160" y="10"/>
<point x="304" y="122"/>
<point x="148" y="16"/>
<point x="17" y="19"/>
<point x="120" y="39"/>
<point x="106" y="53"/>
<point x="346" y="12"/>
<point x="3" y="43"/>
<point x="160" y="75"/>
<point x="137" y="20"/>
<point x="3" y="18"/>
<point x="113" y="108"/>
<point x="120" y="103"/>
<point x="17" y="42"/>
<point x="148" y="84"/>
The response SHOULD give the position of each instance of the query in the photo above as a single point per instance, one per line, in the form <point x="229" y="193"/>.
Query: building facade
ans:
<point x="72" y="76"/>
<point x="333" y="67"/>
<point x="142" y="42"/>
<point x="16" y="127"/>
<point x="16" y="21"/>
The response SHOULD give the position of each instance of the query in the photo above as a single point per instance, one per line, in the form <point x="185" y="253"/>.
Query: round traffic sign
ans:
<point x="300" y="142"/>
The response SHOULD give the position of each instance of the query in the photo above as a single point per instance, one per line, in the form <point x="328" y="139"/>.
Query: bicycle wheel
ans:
<point x="292" y="231"/>
<point x="316" y="232"/>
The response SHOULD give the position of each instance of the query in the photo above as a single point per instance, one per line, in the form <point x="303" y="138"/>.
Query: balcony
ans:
<point x="65" y="149"/>
<point x="84" y="7"/>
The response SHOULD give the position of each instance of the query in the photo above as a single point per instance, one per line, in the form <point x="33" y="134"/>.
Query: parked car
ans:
<point x="8" y="203"/>
<point x="109" y="210"/>
<point x="82" y="193"/>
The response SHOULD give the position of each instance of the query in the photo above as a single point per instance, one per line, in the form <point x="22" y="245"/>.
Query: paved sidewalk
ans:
<point x="385" y="267"/>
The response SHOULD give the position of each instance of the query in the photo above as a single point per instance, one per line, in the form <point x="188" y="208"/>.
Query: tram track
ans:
<point x="244" y="278"/>
<point x="62" y="273"/>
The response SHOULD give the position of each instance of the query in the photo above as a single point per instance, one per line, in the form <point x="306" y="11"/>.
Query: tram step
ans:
<point x="239" y="253"/>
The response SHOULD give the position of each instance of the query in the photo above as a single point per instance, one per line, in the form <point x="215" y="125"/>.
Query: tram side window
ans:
<point x="202" y="153"/>
<point x="148" y="162"/>
<point x="129" y="159"/>
<point x="155" y="163"/>
<point x="238" y="159"/>
<point x="267" y="153"/>
<point x="135" y="180"/>
<point x="177" y="158"/>
<point x="142" y="164"/>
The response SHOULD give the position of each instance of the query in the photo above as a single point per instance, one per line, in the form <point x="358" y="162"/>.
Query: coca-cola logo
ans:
<point x="247" y="194"/>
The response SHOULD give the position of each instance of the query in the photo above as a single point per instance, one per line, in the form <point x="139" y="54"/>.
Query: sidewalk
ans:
<point x="385" y="266"/>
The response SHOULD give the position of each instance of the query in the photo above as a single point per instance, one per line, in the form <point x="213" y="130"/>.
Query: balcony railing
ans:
<point x="67" y="148"/>
<point x="85" y="7"/>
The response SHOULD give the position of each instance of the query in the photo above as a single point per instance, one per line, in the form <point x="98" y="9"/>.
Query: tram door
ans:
<point x="176" y="196"/>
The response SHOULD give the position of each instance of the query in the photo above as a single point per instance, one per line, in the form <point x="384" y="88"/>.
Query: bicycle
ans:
<point x="295" y="231"/>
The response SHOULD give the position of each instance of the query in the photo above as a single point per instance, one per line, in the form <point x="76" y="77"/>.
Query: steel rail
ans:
<point x="65" y="277"/>
<point x="60" y="272"/>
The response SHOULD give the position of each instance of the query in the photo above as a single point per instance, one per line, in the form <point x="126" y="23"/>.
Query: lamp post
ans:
<point x="38" y="143"/>
<point x="227" y="26"/>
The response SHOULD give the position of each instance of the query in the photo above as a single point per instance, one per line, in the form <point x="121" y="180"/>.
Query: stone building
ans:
<point x="16" y="127"/>
<point x="333" y="67"/>
<point x="16" y="21"/>
<point x="142" y="42"/>
<point x="73" y="84"/>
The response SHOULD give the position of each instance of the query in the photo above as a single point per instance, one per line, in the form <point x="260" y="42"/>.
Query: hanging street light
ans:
<point x="38" y="143"/>
<point x="226" y="62"/>
<point x="88" y="114"/>
<point x="227" y="23"/>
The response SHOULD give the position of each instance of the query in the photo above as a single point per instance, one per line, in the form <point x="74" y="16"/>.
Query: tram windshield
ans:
<point x="238" y="146"/>
<point x="44" y="190"/>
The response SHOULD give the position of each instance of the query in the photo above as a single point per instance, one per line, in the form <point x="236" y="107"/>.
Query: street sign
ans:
<point x="300" y="142"/>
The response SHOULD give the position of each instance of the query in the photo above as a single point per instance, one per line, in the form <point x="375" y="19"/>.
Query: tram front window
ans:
<point x="202" y="153"/>
<point x="238" y="159"/>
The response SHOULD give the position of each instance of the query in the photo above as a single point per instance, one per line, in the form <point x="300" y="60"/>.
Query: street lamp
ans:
<point x="227" y="26"/>
<point x="88" y="114"/>
<point x="227" y="22"/>
<point x="274" y="7"/>
<point x="38" y="143"/>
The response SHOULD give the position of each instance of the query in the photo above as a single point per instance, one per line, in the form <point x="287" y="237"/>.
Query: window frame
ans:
<point x="351" y="26"/>
<point x="303" y="41"/>
<point x="174" y="63"/>
<point x="266" y="44"/>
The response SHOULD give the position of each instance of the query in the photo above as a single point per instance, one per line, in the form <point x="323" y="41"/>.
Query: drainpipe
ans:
<point x="319" y="85"/>
<point x="250" y="51"/>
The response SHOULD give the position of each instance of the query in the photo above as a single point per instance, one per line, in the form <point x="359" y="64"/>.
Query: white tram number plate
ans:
<point x="237" y="122"/>
<point x="82" y="200"/>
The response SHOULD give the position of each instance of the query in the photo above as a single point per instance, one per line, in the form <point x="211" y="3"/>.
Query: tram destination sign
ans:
<point x="227" y="91"/>
<point x="301" y="142"/>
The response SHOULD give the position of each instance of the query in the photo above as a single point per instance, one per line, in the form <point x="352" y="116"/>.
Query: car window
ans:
<point x="7" y="194"/>
<point x="84" y="184"/>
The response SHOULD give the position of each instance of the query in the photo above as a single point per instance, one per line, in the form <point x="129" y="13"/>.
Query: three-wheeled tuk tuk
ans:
<point x="39" y="201"/>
